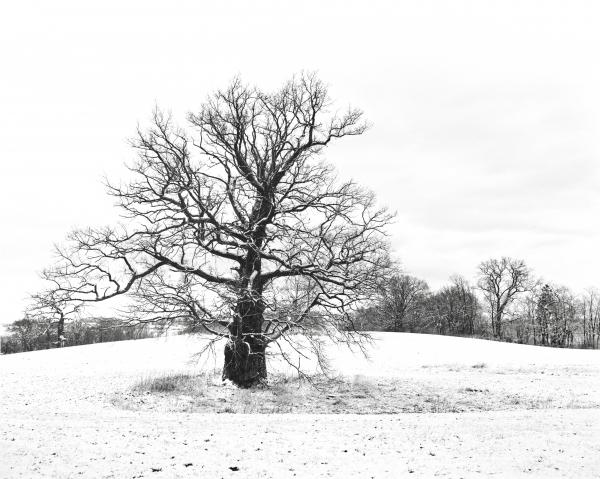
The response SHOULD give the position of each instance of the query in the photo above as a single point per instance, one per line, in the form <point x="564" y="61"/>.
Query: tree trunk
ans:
<point x="60" y="333"/>
<point x="245" y="364"/>
<point x="497" y="324"/>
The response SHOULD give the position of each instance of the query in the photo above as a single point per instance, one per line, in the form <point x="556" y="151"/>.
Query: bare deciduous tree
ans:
<point x="454" y="309"/>
<point x="28" y="332"/>
<point x="53" y="307"/>
<point x="524" y="318"/>
<point x="566" y="317"/>
<point x="556" y="316"/>
<point x="225" y="216"/>
<point x="401" y="297"/>
<point x="590" y="312"/>
<point x="501" y="280"/>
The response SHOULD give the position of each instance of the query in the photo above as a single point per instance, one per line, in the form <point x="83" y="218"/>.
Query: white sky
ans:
<point x="486" y="116"/>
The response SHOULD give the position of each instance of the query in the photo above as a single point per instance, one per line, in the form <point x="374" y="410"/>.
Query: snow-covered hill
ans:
<point x="59" y="419"/>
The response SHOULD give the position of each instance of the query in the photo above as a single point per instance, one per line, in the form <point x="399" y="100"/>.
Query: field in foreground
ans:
<point x="479" y="408"/>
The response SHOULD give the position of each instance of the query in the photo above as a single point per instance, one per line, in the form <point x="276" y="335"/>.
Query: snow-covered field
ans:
<point x="539" y="415"/>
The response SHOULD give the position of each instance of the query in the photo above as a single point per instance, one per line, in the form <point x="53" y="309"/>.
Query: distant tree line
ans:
<point x="32" y="334"/>
<point x="506" y="303"/>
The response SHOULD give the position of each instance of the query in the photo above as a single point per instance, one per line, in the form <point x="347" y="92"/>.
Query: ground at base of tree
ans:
<point x="60" y="419"/>
<point x="430" y="389"/>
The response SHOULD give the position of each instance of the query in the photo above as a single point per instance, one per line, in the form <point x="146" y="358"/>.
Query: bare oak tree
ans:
<point x="53" y="307"/>
<point x="501" y="280"/>
<point x="236" y="225"/>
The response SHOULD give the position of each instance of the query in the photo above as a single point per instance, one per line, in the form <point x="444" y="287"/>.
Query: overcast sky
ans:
<point x="485" y="117"/>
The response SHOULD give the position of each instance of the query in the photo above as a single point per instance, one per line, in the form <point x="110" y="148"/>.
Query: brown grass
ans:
<point x="437" y="390"/>
<point x="170" y="383"/>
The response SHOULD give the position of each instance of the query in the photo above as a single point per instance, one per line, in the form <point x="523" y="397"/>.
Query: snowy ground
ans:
<point x="539" y="416"/>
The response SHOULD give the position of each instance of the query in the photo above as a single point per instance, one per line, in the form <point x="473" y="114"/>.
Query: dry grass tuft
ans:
<point x="169" y="383"/>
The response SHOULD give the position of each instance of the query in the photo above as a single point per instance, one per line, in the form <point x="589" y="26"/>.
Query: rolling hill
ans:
<point x="487" y="408"/>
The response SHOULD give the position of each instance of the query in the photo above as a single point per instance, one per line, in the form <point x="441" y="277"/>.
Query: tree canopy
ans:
<point x="236" y="223"/>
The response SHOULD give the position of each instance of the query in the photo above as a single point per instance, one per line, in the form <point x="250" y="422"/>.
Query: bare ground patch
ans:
<point x="432" y="390"/>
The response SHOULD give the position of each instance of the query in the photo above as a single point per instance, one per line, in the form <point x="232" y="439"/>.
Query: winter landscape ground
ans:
<point x="419" y="406"/>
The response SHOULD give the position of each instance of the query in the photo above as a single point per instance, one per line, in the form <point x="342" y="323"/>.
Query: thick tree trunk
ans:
<point x="245" y="363"/>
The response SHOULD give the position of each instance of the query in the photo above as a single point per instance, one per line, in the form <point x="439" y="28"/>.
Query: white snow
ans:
<point x="58" y="421"/>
